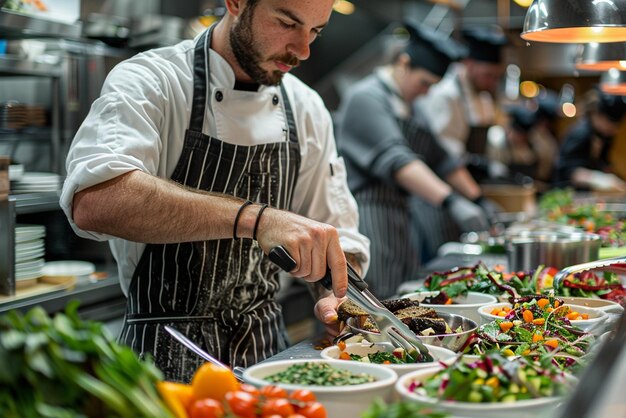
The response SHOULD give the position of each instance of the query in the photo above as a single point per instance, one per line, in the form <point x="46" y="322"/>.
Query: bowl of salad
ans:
<point x="465" y="304"/>
<point x="539" y="309"/>
<point x="490" y="387"/>
<point x="566" y="345"/>
<point x="385" y="354"/>
<point x="345" y="388"/>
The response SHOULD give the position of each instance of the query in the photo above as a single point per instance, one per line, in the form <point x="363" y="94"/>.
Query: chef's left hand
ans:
<point x="326" y="312"/>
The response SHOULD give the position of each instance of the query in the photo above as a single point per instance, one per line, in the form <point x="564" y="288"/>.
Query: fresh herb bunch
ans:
<point x="64" y="367"/>
<point x="401" y="409"/>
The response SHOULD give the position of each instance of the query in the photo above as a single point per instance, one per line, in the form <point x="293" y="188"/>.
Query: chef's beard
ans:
<point x="246" y="51"/>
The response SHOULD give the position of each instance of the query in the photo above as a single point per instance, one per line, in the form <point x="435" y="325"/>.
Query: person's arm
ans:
<point x="597" y="180"/>
<point x="143" y="208"/>
<point x="463" y="182"/>
<point x="419" y="180"/>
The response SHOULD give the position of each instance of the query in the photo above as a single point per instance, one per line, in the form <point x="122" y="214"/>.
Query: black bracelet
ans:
<point x="449" y="198"/>
<point x="258" y="218"/>
<point x="246" y="203"/>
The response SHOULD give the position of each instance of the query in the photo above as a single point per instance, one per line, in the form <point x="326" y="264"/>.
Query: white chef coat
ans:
<point x="139" y="122"/>
<point x="452" y="111"/>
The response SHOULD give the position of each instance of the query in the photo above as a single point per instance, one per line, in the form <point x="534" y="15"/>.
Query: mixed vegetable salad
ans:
<point x="319" y="374"/>
<point x="396" y="356"/>
<point x="563" y="343"/>
<point x="558" y="206"/>
<point x="493" y="378"/>
<point x="480" y="278"/>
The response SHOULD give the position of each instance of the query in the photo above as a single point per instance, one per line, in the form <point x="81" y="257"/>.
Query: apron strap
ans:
<point x="200" y="67"/>
<point x="291" y="123"/>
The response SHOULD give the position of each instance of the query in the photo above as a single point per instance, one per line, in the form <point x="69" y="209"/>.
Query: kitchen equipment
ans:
<point x="237" y="371"/>
<point x="528" y="249"/>
<point x="389" y="325"/>
<point x="615" y="264"/>
<point x="512" y="197"/>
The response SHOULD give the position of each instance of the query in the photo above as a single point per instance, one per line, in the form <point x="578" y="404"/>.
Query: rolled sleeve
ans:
<point x="119" y="135"/>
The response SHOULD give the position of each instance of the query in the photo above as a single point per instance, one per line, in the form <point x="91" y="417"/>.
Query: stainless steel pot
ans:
<point x="527" y="250"/>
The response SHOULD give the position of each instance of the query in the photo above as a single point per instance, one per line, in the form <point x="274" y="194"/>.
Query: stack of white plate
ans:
<point x="33" y="182"/>
<point x="29" y="253"/>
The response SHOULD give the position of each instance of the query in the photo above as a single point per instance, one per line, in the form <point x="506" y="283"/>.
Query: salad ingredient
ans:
<point x="64" y="366"/>
<point x="212" y="381"/>
<point x="319" y="374"/>
<point x="401" y="409"/>
<point x="493" y="378"/>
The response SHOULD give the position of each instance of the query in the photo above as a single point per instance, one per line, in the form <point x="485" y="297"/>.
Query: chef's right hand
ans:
<point x="313" y="245"/>
<point x="467" y="215"/>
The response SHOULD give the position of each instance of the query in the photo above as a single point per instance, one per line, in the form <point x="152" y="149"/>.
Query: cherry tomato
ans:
<point x="296" y="416"/>
<point x="303" y="395"/>
<point x="277" y="406"/>
<point x="206" y="408"/>
<point x="271" y="392"/>
<point x="313" y="410"/>
<point x="242" y="404"/>
<point x="244" y="387"/>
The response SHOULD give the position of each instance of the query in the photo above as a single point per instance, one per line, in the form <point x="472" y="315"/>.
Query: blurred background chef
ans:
<point x="389" y="156"/>
<point x="462" y="107"/>
<point x="584" y="155"/>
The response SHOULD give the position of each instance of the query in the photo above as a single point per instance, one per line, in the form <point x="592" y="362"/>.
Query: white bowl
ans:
<point x="466" y="306"/>
<point x="530" y="408"/>
<point x="595" y="324"/>
<point x="364" y="348"/>
<point x="347" y="401"/>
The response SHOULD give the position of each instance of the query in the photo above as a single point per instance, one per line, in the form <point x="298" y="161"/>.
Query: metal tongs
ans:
<point x="615" y="265"/>
<point x="392" y="328"/>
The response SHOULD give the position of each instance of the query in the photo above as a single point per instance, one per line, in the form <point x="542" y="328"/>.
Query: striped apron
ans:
<point x="384" y="217"/>
<point x="219" y="293"/>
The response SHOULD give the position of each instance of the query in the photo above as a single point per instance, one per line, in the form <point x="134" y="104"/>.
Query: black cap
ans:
<point x="430" y="50"/>
<point x="484" y="42"/>
<point x="612" y="106"/>
<point x="522" y="119"/>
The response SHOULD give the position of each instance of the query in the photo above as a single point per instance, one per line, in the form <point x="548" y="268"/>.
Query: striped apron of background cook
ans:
<point x="219" y="293"/>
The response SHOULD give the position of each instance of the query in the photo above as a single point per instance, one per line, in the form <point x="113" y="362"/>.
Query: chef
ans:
<point x="461" y="108"/>
<point x="584" y="155"/>
<point x="196" y="161"/>
<point x="389" y="157"/>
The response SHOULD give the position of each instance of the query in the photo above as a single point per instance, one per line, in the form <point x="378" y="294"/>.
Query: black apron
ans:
<point x="219" y="293"/>
<point x="384" y="218"/>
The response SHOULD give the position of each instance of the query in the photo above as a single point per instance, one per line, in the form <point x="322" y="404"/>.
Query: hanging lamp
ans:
<point x="575" y="21"/>
<point x="596" y="56"/>
<point x="613" y="82"/>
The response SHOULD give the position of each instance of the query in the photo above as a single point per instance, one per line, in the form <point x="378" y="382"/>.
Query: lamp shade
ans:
<point x="575" y="21"/>
<point x="596" y="56"/>
<point x="613" y="82"/>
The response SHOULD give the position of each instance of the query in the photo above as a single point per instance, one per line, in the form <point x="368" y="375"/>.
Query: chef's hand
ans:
<point x="467" y="215"/>
<point x="326" y="312"/>
<point x="313" y="245"/>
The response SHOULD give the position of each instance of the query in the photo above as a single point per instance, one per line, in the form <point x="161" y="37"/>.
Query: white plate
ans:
<point x="68" y="268"/>
<point x="16" y="171"/>
<point x="29" y="245"/>
<point x="21" y="256"/>
<point x="37" y="263"/>
<point x="28" y="275"/>
<point x="29" y="232"/>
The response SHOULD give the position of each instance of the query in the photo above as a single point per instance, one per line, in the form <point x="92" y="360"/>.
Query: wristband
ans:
<point x="246" y="203"/>
<point x="258" y="218"/>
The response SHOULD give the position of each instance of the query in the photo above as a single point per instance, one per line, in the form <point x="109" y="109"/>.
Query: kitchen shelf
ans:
<point x="17" y="25"/>
<point x="17" y="66"/>
<point x="35" y="202"/>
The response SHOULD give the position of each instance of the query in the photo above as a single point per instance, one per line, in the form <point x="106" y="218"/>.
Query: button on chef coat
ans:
<point x="452" y="111"/>
<point x="139" y="121"/>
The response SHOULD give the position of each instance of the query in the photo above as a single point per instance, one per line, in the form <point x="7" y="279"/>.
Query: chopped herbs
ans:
<point x="319" y="374"/>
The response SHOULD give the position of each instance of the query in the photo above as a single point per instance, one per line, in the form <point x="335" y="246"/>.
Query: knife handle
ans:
<point x="279" y="256"/>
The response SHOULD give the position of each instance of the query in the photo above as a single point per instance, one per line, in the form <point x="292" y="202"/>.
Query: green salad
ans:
<point x="493" y="378"/>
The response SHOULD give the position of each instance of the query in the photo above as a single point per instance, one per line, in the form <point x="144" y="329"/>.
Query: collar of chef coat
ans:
<point x="400" y="108"/>
<point x="242" y="117"/>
